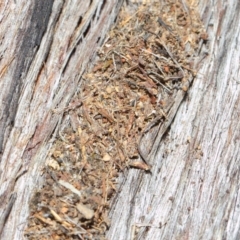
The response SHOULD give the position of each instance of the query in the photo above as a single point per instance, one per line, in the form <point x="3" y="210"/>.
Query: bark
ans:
<point x="193" y="190"/>
<point x="45" y="48"/>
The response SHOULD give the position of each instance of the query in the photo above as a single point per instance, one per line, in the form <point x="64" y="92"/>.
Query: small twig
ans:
<point x="162" y="23"/>
<point x="156" y="74"/>
<point x="166" y="78"/>
<point x="170" y="54"/>
<point x="131" y="69"/>
<point x="44" y="220"/>
<point x="127" y="20"/>
<point x="105" y="114"/>
<point x="114" y="63"/>
<point x="172" y="78"/>
<point x="153" y="78"/>
<point x="119" y="54"/>
<point x="62" y="137"/>
<point x="159" y="69"/>
<point x="155" y="55"/>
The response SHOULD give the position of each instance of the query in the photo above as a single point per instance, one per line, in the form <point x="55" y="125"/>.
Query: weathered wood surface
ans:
<point x="45" y="48"/>
<point x="193" y="191"/>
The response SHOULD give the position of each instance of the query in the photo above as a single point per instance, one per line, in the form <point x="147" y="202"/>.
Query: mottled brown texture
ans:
<point x="193" y="190"/>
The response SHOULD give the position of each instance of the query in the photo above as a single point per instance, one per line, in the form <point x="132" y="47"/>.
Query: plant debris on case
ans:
<point x="148" y="56"/>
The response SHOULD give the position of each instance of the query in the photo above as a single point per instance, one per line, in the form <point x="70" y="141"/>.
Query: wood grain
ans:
<point x="193" y="191"/>
<point x="45" y="48"/>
